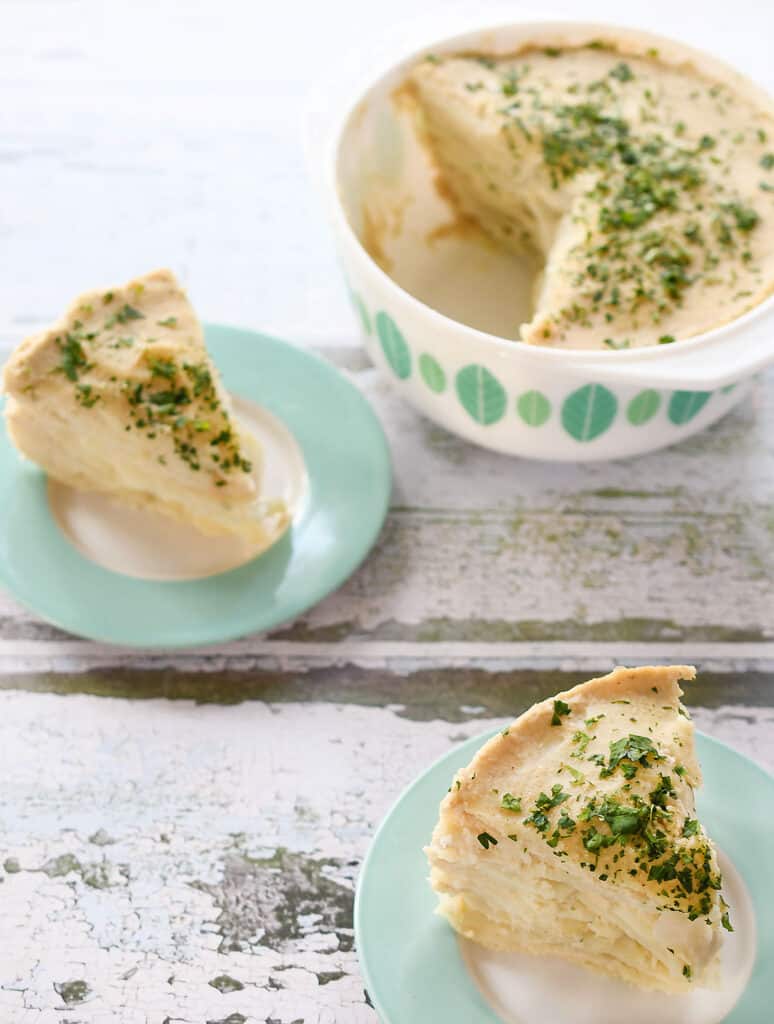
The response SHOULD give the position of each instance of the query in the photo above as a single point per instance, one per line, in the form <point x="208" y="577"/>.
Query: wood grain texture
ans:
<point x="674" y="547"/>
<point x="172" y="861"/>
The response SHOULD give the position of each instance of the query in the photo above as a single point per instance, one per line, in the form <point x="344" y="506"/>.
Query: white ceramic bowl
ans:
<point x="432" y="323"/>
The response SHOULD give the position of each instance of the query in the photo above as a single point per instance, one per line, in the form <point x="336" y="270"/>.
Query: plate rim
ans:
<point x="475" y="742"/>
<point x="317" y="591"/>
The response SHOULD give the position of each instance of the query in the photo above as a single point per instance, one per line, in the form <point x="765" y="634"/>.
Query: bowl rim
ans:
<point x="515" y="346"/>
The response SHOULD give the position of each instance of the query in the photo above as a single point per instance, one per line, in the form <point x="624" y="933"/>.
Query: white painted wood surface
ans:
<point x="168" y="819"/>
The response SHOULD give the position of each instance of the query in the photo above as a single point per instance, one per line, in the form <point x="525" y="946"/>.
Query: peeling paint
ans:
<point x="101" y="838"/>
<point x="72" y="992"/>
<point x="223" y="983"/>
<point x="266" y="900"/>
<point x="242" y="887"/>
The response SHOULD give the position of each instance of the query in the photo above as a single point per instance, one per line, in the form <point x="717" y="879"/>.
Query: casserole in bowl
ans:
<point x="441" y="303"/>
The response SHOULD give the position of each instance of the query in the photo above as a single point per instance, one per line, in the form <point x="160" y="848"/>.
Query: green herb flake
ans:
<point x="86" y="396"/>
<point x="632" y="748"/>
<point x="486" y="840"/>
<point x="745" y="217"/>
<point x="127" y="313"/>
<point x="577" y="777"/>
<point x="561" y="710"/>
<point x="511" y="803"/>
<point x="726" y="922"/>
<point x="581" y="740"/>
<point x="622" y="72"/>
<point x="73" y="356"/>
<point x="558" y="796"/>
<point x="539" y="820"/>
<point x="163" y="368"/>
<point x="691" y="827"/>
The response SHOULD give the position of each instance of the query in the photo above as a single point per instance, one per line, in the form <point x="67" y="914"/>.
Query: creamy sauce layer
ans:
<point x="644" y="189"/>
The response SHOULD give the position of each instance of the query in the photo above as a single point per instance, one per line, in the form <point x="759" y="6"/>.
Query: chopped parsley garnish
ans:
<point x="124" y="315"/>
<point x="577" y="777"/>
<point x="691" y="827"/>
<point x="582" y="740"/>
<point x="622" y="72"/>
<point x="726" y="922"/>
<point x="630" y="748"/>
<point x="163" y="368"/>
<point x="558" y="796"/>
<point x="655" y="205"/>
<point x="745" y="217"/>
<point x="486" y="840"/>
<point x="86" y="396"/>
<point x="561" y="710"/>
<point x="539" y="820"/>
<point x="511" y="803"/>
<point x="171" y="321"/>
<point x="73" y="356"/>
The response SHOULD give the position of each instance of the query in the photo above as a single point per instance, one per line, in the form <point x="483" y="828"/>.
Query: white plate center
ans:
<point x="523" y="989"/>
<point x="151" y="546"/>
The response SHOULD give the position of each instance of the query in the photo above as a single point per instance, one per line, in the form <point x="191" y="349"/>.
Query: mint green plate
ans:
<point x="410" y="957"/>
<point x="348" y="466"/>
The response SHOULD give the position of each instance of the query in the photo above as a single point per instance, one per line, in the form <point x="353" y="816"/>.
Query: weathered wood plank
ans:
<point x="163" y="860"/>
<point x="676" y="546"/>
<point x="442" y="692"/>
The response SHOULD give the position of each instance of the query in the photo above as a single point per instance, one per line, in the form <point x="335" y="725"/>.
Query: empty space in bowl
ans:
<point x="389" y="190"/>
<point x="148" y="545"/>
<point x="521" y="988"/>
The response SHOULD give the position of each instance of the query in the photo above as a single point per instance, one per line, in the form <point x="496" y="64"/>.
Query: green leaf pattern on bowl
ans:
<point x="432" y="373"/>
<point x="684" y="405"/>
<point x="396" y="351"/>
<point x="481" y="394"/>
<point x="589" y="412"/>
<point x="586" y="413"/>
<point x="643" y="407"/>
<point x="534" y="408"/>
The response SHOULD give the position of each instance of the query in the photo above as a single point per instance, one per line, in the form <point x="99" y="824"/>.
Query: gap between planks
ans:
<point x="28" y="655"/>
